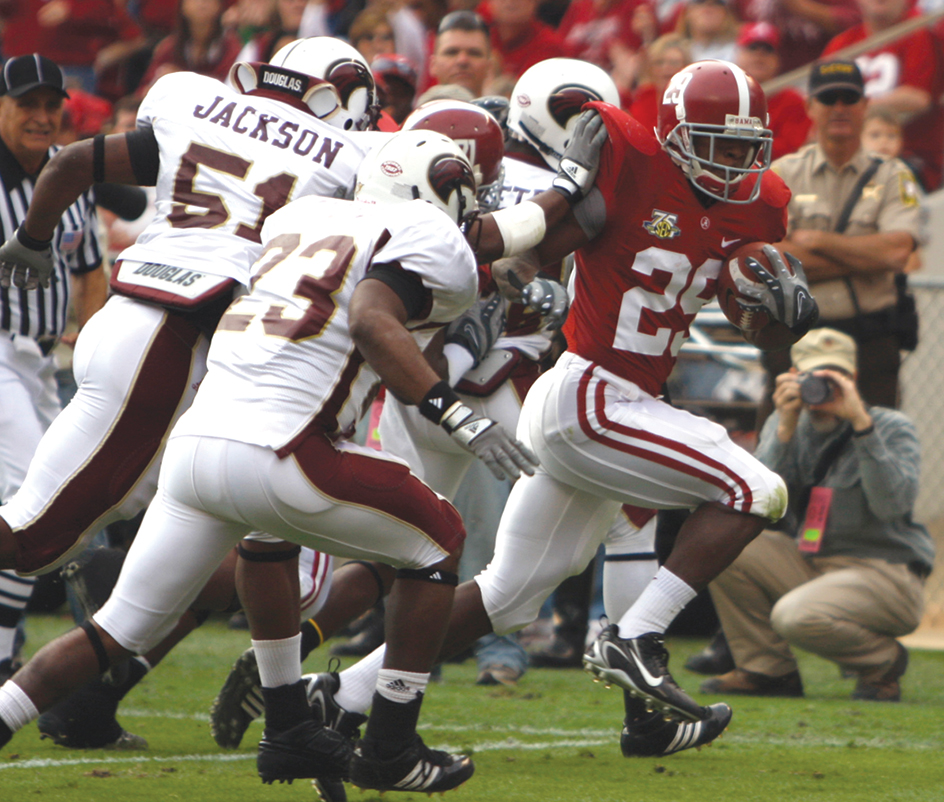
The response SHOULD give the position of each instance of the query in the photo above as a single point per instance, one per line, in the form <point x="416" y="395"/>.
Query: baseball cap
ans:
<point x="387" y="66"/>
<point x="26" y="73"/>
<point x="759" y="33"/>
<point x="836" y="75"/>
<point x="823" y="348"/>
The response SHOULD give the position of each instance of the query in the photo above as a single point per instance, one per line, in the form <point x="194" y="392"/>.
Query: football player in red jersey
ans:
<point x="650" y="239"/>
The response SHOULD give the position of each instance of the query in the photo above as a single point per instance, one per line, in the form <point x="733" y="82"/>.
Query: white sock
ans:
<point x="279" y="661"/>
<point x="359" y="681"/>
<point x="16" y="708"/>
<point x="401" y="686"/>
<point x="460" y="361"/>
<point x="657" y="606"/>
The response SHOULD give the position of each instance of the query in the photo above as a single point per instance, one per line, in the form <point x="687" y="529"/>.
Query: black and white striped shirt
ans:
<point x="41" y="313"/>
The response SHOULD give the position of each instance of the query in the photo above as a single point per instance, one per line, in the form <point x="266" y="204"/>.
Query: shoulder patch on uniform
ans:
<point x="908" y="188"/>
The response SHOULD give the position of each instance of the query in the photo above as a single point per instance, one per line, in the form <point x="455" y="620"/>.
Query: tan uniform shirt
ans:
<point x="890" y="201"/>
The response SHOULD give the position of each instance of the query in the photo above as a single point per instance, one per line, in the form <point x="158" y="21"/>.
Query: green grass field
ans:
<point x="554" y="737"/>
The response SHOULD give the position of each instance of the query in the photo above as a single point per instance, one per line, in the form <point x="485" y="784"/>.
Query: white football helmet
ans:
<point x="424" y="165"/>
<point x="340" y="64"/>
<point x="475" y="131"/>
<point x="547" y="100"/>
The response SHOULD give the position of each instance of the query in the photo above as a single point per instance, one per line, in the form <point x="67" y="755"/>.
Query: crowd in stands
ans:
<point x="112" y="49"/>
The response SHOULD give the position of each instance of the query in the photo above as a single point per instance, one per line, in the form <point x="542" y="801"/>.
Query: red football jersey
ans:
<point x="656" y="262"/>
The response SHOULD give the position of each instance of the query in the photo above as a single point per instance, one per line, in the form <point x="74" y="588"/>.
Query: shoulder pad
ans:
<point x="632" y="130"/>
<point x="774" y="191"/>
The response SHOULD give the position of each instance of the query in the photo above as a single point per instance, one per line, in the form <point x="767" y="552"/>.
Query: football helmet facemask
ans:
<point x="547" y="100"/>
<point x="479" y="136"/>
<point x="419" y="165"/>
<point x="710" y="106"/>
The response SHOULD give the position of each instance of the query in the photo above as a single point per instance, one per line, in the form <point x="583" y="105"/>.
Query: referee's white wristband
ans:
<point x="521" y="226"/>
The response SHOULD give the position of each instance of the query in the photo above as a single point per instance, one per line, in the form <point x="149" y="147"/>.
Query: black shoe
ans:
<point x="559" y="653"/>
<point x="416" y="768"/>
<point x="640" y="666"/>
<point x="329" y="790"/>
<point x="321" y="691"/>
<point x="306" y="751"/>
<point x="86" y="720"/>
<point x="714" y="659"/>
<point x="749" y="683"/>
<point x="667" y="737"/>
<point x="238" y="703"/>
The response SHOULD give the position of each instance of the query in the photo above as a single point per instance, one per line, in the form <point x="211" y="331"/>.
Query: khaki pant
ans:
<point x="846" y="609"/>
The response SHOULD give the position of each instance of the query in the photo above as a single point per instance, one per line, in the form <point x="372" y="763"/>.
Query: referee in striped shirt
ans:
<point x="32" y="321"/>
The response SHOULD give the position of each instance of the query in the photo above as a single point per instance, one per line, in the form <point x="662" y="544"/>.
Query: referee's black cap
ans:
<point x="23" y="74"/>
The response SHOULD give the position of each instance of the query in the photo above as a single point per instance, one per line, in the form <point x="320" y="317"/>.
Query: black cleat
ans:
<point x="640" y="666"/>
<point x="416" y="768"/>
<point x="238" y="703"/>
<point x="307" y="751"/>
<point x="321" y="691"/>
<point x="329" y="790"/>
<point x="86" y="720"/>
<point x="668" y="737"/>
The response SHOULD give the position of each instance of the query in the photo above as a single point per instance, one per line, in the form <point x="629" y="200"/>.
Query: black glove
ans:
<point x="22" y="264"/>
<point x="785" y="295"/>
<point x="549" y="298"/>
<point x="581" y="159"/>
<point x="477" y="329"/>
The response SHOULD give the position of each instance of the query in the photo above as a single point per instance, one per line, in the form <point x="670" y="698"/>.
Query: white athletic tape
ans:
<point x="521" y="226"/>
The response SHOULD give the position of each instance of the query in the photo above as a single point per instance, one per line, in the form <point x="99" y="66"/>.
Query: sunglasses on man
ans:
<point x="848" y="97"/>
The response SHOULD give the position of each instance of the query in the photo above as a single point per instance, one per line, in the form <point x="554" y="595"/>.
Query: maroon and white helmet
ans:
<point x="419" y="165"/>
<point x="477" y="133"/>
<point x="340" y="64"/>
<point x="715" y="100"/>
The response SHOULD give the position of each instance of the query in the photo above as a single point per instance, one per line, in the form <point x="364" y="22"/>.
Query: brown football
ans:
<point x="737" y="266"/>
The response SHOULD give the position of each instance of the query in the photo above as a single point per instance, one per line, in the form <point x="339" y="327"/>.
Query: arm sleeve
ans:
<point x="145" y="155"/>
<point x="406" y="284"/>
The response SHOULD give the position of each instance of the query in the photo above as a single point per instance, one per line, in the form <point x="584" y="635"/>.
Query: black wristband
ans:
<point x="864" y="432"/>
<point x="31" y="242"/>
<point x="98" y="158"/>
<point x="435" y="403"/>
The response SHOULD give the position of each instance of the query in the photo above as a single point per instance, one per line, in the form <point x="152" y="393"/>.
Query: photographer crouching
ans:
<point x="852" y="578"/>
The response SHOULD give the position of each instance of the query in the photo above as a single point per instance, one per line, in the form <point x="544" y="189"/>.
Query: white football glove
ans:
<point x="549" y="298"/>
<point x="581" y="158"/>
<point x="503" y="455"/>
<point x="23" y="267"/>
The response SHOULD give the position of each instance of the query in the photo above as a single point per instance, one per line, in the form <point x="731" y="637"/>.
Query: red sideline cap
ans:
<point x="759" y="33"/>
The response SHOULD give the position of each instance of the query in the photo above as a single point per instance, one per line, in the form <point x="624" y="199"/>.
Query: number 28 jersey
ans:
<point x="656" y="261"/>
<point x="227" y="161"/>
<point x="282" y="362"/>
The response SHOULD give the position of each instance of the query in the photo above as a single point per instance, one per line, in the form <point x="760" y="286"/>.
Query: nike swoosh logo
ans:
<point x="651" y="680"/>
<point x="726" y="242"/>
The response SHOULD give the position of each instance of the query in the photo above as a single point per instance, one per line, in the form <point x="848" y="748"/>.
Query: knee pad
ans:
<point x="269" y="556"/>
<point x="435" y="575"/>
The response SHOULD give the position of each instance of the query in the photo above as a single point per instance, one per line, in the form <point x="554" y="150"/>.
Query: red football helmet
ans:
<point x="479" y="136"/>
<point x="704" y="103"/>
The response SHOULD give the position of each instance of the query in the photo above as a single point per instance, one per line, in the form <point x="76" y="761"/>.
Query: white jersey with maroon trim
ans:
<point x="227" y="161"/>
<point x="282" y="359"/>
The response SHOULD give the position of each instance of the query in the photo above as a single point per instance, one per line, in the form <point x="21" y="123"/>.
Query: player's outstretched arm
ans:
<point x="26" y="258"/>
<point x="377" y="318"/>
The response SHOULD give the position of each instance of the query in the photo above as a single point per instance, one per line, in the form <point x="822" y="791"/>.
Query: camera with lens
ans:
<point x="816" y="389"/>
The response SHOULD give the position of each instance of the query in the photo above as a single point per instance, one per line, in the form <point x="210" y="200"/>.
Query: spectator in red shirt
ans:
<point x="758" y="55"/>
<point x="664" y="57"/>
<point x="519" y="37"/>
<point x="593" y="28"/>
<point x="904" y="76"/>
<point x="805" y="26"/>
<point x="199" y="44"/>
